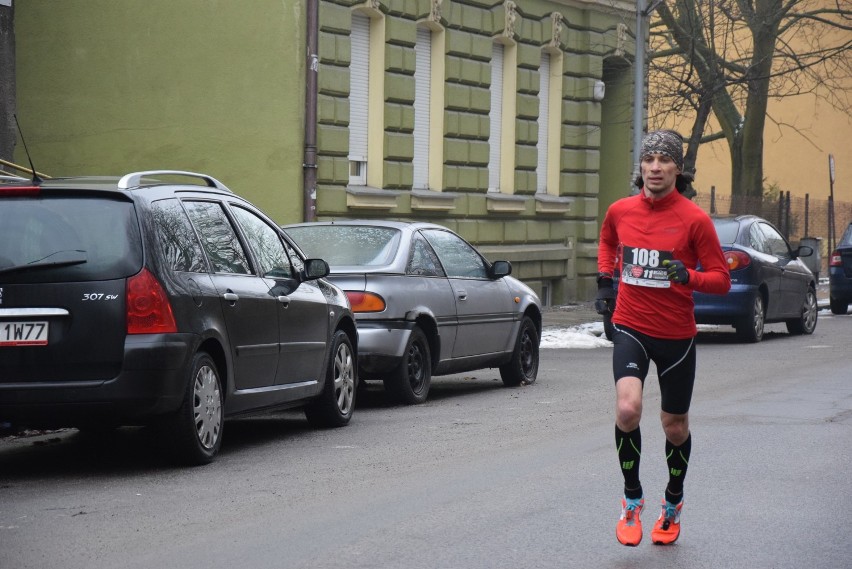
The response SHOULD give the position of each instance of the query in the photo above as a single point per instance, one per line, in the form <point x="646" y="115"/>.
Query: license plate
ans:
<point x="23" y="333"/>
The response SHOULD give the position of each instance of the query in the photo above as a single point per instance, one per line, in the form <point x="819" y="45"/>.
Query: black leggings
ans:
<point x="633" y="353"/>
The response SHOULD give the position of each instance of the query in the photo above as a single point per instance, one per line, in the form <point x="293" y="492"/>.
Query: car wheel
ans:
<point x="334" y="406"/>
<point x="806" y="323"/>
<point x="522" y="369"/>
<point x="411" y="379"/>
<point x="838" y="306"/>
<point x="751" y="329"/>
<point x="195" y="430"/>
<point x="607" y="325"/>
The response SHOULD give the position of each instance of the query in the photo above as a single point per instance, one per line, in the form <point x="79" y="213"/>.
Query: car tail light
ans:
<point x="148" y="307"/>
<point x="365" y="301"/>
<point x="835" y="260"/>
<point x="6" y="191"/>
<point x="737" y="260"/>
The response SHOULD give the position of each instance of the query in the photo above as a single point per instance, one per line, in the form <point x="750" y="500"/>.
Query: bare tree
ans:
<point x="726" y="59"/>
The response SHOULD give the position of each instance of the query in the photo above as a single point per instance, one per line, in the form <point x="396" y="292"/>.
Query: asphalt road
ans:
<point x="479" y="477"/>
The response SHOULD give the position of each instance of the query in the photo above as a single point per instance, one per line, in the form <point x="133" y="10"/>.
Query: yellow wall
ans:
<point x="796" y="151"/>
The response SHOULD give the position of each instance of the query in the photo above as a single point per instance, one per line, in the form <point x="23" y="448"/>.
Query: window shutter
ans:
<point x="359" y="88"/>
<point x="422" y="99"/>
<point x="495" y="117"/>
<point x="543" y="121"/>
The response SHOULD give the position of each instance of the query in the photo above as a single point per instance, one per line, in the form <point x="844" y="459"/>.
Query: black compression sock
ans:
<point x="677" y="458"/>
<point x="629" y="446"/>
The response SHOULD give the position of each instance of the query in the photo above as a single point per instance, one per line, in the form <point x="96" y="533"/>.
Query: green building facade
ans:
<point x="508" y="121"/>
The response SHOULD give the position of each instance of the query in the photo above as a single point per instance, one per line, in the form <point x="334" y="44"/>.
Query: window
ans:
<point x="458" y="258"/>
<point x="495" y="118"/>
<point x="775" y="242"/>
<point x="423" y="261"/>
<point x="178" y="242"/>
<point x="422" y="102"/>
<point x="359" y="95"/>
<point x="266" y="244"/>
<point x="218" y="238"/>
<point x="543" y="120"/>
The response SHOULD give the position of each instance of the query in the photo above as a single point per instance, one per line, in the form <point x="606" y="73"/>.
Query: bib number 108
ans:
<point x="645" y="257"/>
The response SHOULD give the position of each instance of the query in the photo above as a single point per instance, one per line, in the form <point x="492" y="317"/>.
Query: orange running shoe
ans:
<point x="667" y="528"/>
<point x="629" y="528"/>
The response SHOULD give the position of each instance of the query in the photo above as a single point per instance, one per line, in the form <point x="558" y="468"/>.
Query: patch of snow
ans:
<point x="584" y="336"/>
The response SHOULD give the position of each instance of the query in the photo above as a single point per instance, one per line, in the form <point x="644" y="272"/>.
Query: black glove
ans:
<point x="605" y="300"/>
<point x="676" y="271"/>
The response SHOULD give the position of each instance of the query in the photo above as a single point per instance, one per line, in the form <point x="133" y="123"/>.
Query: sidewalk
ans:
<point x="567" y="315"/>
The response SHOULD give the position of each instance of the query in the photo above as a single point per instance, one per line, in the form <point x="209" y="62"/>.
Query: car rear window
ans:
<point x="348" y="245"/>
<point x="846" y="240"/>
<point x="68" y="239"/>
<point x="727" y="230"/>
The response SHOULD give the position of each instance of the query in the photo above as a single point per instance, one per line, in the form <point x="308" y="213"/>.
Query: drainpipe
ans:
<point x="309" y="166"/>
<point x="643" y="11"/>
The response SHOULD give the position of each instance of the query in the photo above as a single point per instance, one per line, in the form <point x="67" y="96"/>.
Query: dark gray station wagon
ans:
<point x="140" y="300"/>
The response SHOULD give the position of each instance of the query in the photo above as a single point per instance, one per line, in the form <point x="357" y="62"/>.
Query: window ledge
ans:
<point x="545" y="203"/>
<point x="505" y="203"/>
<point x="430" y="200"/>
<point x="367" y="197"/>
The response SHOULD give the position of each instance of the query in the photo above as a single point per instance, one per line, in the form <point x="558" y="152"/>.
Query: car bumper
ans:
<point x="381" y="344"/>
<point x="725" y="309"/>
<point x="152" y="381"/>
<point x="839" y="285"/>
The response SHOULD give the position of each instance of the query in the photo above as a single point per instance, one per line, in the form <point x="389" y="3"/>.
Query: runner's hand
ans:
<point x="676" y="271"/>
<point x="605" y="299"/>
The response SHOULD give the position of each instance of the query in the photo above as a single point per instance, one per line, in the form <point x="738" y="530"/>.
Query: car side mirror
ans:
<point x="804" y="251"/>
<point x="316" y="269"/>
<point x="501" y="269"/>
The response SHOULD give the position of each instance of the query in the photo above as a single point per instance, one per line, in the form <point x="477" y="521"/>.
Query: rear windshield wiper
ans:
<point x="56" y="259"/>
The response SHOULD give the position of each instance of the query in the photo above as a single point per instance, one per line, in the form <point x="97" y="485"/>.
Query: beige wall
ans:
<point x="801" y="134"/>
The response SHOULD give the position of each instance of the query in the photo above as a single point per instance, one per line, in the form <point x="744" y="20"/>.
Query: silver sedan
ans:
<point x="426" y="303"/>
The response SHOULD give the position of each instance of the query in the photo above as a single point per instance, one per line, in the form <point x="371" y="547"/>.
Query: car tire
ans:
<point x="522" y="369"/>
<point x="838" y="306"/>
<point x="806" y="323"/>
<point x="410" y="381"/>
<point x="751" y="328"/>
<point x="195" y="430"/>
<point x="335" y="405"/>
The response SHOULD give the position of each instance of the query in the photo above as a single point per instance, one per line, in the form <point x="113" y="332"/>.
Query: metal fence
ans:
<point x="795" y="217"/>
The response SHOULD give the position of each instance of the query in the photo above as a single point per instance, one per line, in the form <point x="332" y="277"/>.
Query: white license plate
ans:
<point x="23" y="333"/>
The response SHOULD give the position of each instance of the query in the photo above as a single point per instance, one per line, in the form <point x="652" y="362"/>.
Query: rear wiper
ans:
<point x="56" y="259"/>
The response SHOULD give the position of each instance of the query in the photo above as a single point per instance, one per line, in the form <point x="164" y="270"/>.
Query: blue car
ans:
<point x="769" y="281"/>
<point x="840" y="274"/>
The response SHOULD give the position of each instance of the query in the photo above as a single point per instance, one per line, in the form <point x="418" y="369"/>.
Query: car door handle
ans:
<point x="462" y="294"/>
<point x="231" y="297"/>
<point x="285" y="300"/>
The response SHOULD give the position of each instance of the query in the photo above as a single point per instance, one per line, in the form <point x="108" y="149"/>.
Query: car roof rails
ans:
<point x="12" y="178"/>
<point x="134" y="179"/>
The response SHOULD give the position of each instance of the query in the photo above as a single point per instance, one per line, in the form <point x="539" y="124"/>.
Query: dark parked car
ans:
<point x="141" y="300"/>
<point x="427" y="303"/>
<point x="769" y="281"/>
<point x="840" y="274"/>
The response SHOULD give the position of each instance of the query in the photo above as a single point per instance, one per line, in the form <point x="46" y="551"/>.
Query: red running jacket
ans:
<point x="640" y="233"/>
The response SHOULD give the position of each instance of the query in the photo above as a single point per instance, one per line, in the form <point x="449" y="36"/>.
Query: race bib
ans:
<point x="644" y="267"/>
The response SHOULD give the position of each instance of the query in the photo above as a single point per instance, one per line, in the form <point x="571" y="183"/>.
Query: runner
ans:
<point x="659" y="237"/>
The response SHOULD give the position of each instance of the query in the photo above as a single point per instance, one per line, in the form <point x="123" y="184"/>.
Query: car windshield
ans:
<point x="348" y="245"/>
<point x="51" y="239"/>
<point x="846" y="240"/>
<point x="727" y="230"/>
